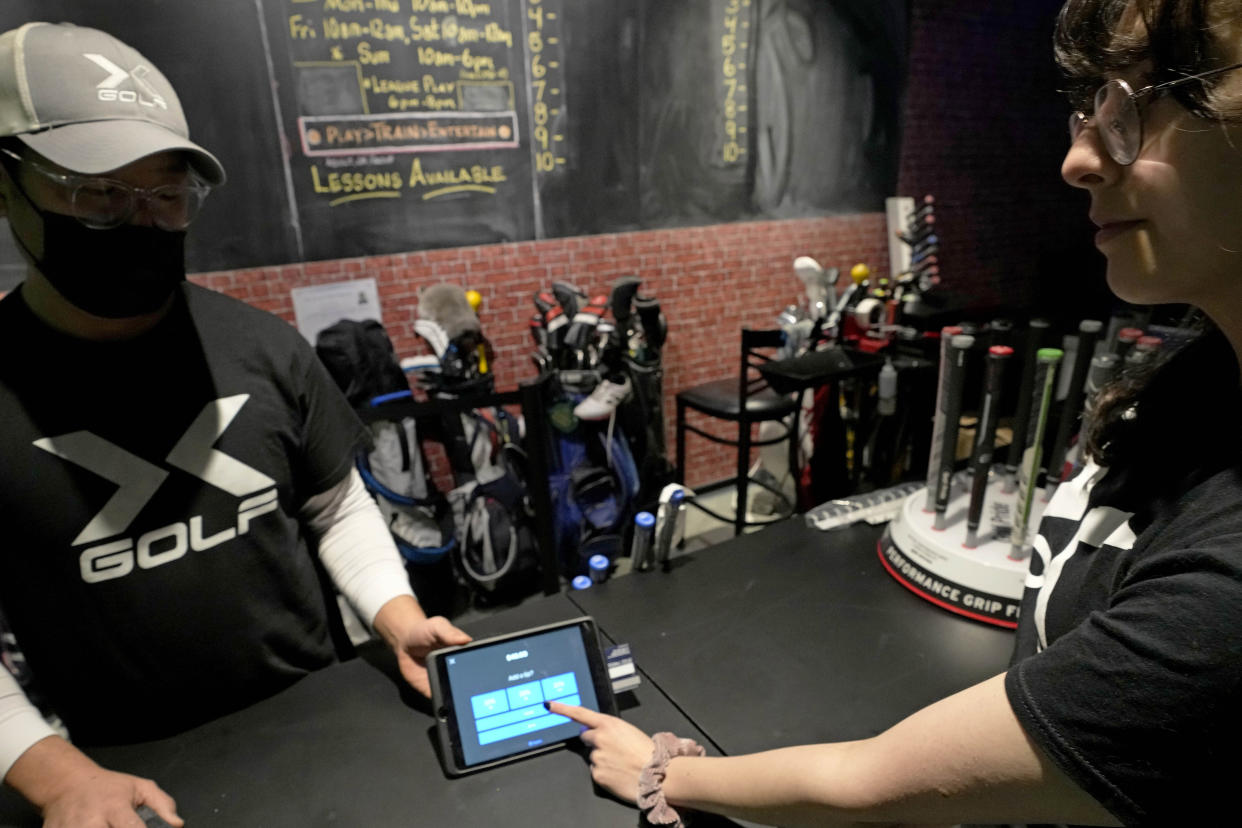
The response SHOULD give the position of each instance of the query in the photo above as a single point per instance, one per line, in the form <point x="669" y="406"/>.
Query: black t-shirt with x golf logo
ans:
<point x="151" y="564"/>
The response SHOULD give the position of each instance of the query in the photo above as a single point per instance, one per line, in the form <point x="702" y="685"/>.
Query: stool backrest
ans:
<point x="754" y="345"/>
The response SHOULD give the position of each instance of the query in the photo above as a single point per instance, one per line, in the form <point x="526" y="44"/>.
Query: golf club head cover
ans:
<point x="554" y="324"/>
<point x="448" y="307"/>
<point x="815" y="284"/>
<point x="537" y="331"/>
<point x="569" y="297"/>
<point x="433" y="334"/>
<point x="544" y="302"/>
<point x="585" y="321"/>
<point x="622" y="299"/>
<point x="655" y="327"/>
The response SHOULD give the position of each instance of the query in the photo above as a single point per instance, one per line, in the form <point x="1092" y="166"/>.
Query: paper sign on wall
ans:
<point x="322" y="306"/>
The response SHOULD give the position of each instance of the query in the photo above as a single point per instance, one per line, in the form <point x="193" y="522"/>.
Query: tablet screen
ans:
<point x="498" y="690"/>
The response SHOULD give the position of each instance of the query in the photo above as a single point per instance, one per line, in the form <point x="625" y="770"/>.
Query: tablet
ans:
<point x="488" y="695"/>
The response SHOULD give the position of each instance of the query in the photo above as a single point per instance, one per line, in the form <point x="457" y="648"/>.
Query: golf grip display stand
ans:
<point x="982" y="583"/>
<point x="963" y="544"/>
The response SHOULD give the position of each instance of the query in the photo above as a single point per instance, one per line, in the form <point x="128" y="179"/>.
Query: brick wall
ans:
<point x="710" y="281"/>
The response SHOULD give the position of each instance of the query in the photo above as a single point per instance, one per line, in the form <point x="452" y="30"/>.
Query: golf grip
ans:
<point x="1046" y="360"/>
<point x="933" y="456"/>
<point x="959" y="349"/>
<point x="1088" y="334"/>
<point x="1035" y="334"/>
<point x="998" y="356"/>
<point x="1104" y="369"/>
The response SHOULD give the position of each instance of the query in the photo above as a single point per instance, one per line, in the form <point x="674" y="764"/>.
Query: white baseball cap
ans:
<point x="84" y="100"/>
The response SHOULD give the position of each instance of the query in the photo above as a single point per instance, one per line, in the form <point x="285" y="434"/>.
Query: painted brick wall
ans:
<point x="985" y="130"/>
<point x="710" y="281"/>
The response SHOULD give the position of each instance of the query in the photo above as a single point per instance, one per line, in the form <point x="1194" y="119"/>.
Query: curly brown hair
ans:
<point x="1096" y="39"/>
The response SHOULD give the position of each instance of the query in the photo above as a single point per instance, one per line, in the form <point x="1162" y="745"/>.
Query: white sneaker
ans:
<point x="603" y="400"/>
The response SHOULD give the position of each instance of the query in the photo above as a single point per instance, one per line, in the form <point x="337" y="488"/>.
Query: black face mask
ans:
<point x="125" y="271"/>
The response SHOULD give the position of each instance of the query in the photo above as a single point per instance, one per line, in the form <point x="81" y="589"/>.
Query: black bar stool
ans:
<point x="746" y="400"/>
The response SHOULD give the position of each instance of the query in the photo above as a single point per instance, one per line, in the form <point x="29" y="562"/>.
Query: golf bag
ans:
<point x="497" y="555"/>
<point x="360" y="357"/>
<point x="641" y="330"/>
<point x="641" y="420"/>
<point x="606" y="412"/>
<point x="593" y="484"/>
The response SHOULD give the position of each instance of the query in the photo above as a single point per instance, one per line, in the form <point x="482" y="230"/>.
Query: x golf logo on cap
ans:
<point x="85" y="100"/>
<point x="107" y="88"/>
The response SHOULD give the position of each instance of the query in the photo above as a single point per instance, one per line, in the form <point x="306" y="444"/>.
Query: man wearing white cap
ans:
<point x="178" y="472"/>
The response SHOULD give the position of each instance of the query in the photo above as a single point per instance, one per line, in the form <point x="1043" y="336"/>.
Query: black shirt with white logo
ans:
<point x="1128" y="667"/>
<point x="151" y="564"/>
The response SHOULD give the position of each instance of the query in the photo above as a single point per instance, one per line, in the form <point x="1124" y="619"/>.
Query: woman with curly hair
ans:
<point x="1121" y="705"/>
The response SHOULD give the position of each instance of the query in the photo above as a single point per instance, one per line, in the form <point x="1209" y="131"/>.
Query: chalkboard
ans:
<point x="364" y="127"/>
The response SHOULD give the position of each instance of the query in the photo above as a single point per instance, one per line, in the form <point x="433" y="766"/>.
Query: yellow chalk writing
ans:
<point x="375" y="28"/>
<point x="477" y="174"/>
<point x="354" y="182"/>
<point x="429" y="56"/>
<point x="386" y="86"/>
<point x="733" y="47"/>
<point x="371" y="57"/>
<point x="361" y="5"/>
<point x="473" y="10"/>
<point x="299" y="29"/>
<point x="460" y="188"/>
<point x="420" y="31"/>
<point x="361" y="196"/>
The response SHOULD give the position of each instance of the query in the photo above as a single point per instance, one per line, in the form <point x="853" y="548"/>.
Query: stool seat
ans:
<point x="720" y="400"/>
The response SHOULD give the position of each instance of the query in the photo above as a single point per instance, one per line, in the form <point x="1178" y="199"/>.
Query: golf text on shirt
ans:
<point x="138" y="480"/>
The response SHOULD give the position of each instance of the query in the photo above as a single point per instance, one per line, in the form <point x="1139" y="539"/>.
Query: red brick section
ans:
<point x="710" y="282"/>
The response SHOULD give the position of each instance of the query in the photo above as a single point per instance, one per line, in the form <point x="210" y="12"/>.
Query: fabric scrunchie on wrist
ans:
<point x="651" y="781"/>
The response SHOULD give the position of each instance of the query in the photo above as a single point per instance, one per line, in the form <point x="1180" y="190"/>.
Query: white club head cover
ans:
<point x="435" y="335"/>
<point x="815" y="280"/>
